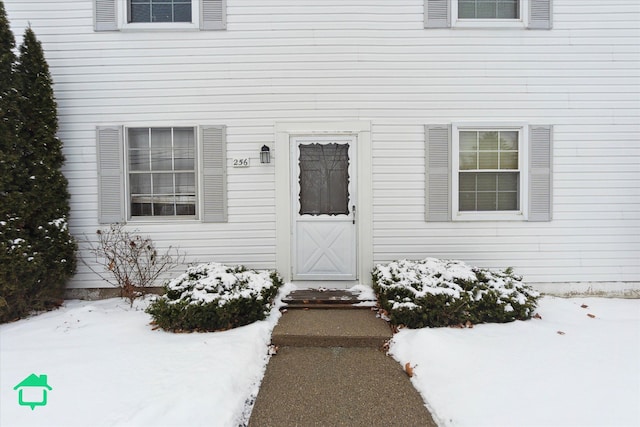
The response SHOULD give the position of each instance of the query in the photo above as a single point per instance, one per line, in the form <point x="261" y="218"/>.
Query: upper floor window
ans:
<point x="169" y="15"/>
<point x="160" y="10"/>
<point x="488" y="9"/>
<point x="510" y="14"/>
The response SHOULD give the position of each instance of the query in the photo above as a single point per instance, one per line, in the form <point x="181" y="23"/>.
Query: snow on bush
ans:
<point x="212" y="297"/>
<point x="433" y="292"/>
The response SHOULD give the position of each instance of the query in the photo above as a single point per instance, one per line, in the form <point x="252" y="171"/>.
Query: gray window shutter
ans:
<point x="105" y="17"/>
<point x="213" y="14"/>
<point x="540" y="13"/>
<point x="437" y="13"/>
<point x="540" y="173"/>
<point x="438" y="173"/>
<point x="110" y="174"/>
<point x="214" y="173"/>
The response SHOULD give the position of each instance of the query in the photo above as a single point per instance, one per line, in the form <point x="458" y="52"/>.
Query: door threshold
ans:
<point x="326" y="284"/>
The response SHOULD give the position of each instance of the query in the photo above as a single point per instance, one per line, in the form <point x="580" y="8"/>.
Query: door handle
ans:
<point x="353" y="210"/>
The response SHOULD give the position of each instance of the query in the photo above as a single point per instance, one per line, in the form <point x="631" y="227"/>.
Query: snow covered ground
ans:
<point x="106" y="366"/>
<point x="565" y="369"/>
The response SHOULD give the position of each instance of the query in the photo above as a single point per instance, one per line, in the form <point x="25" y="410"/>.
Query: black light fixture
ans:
<point x="265" y="154"/>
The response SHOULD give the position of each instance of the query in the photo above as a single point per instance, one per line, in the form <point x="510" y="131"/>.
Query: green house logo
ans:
<point x="32" y="391"/>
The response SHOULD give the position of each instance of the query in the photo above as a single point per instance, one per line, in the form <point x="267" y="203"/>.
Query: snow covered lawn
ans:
<point x="106" y="366"/>
<point x="566" y="369"/>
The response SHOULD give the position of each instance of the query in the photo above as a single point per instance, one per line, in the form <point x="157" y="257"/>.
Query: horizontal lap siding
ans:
<point x="288" y="60"/>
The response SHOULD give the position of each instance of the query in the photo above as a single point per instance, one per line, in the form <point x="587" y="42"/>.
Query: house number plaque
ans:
<point x="241" y="163"/>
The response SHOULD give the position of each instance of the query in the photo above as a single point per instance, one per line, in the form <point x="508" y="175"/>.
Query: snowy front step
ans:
<point x="326" y="299"/>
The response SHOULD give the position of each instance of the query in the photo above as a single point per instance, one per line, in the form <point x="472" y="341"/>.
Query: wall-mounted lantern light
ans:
<point x="265" y="154"/>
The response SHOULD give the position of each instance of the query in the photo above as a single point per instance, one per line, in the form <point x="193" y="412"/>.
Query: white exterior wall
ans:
<point x="371" y="60"/>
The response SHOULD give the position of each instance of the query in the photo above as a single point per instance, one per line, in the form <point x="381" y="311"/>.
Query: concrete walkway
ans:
<point x="330" y="371"/>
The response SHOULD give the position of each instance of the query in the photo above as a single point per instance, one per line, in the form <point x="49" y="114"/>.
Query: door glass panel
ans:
<point x="324" y="179"/>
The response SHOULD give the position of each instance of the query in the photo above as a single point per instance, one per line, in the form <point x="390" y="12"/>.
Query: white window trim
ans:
<point x="523" y="162"/>
<point x="197" y="218"/>
<point x="124" y="25"/>
<point x="490" y="23"/>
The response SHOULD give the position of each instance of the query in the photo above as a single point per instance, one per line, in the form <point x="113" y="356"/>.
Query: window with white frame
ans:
<point x="159" y="10"/>
<point x="162" y="172"/>
<point x="488" y="9"/>
<point x="489" y="172"/>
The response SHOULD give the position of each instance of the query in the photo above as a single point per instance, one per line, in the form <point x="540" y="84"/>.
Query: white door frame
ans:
<point x="284" y="211"/>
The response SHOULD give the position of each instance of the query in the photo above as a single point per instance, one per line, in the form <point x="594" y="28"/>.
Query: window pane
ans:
<point x="468" y="161"/>
<point x="138" y="138"/>
<point x="185" y="183"/>
<point x="139" y="160"/>
<point x="161" y="12"/>
<point x="488" y="160"/>
<point x="163" y="183"/>
<point x="140" y="13"/>
<point x="468" y="141"/>
<point x="486" y="201"/>
<point x="508" y="9"/>
<point x="183" y="137"/>
<point x="182" y="13"/>
<point x="485" y="9"/>
<point x="508" y="160"/>
<point x="487" y="182"/>
<point x="161" y="138"/>
<point x="508" y="201"/>
<point x="467" y="201"/>
<point x="466" y="9"/>
<point x="467" y="181"/>
<point x="140" y="183"/>
<point x="163" y="206"/>
<point x="184" y="160"/>
<point x="139" y="208"/>
<point x="508" y="181"/>
<point x="508" y="140"/>
<point x="324" y="179"/>
<point x="161" y="160"/>
<point x="488" y="140"/>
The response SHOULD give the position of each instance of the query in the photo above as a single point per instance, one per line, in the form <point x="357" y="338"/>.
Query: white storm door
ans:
<point x="324" y="208"/>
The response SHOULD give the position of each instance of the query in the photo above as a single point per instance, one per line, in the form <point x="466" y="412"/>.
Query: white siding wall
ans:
<point x="288" y="60"/>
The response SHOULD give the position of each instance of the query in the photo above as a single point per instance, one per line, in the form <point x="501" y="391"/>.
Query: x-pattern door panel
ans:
<point x="324" y="208"/>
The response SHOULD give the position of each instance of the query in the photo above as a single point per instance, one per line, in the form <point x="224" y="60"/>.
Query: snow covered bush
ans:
<point x="212" y="297"/>
<point x="433" y="292"/>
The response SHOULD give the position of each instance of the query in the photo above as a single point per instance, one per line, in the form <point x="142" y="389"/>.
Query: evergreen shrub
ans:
<point x="213" y="297"/>
<point x="37" y="252"/>
<point x="434" y="293"/>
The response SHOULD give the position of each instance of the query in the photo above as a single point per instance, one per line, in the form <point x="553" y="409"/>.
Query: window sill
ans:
<point x="489" y="216"/>
<point x="495" y="24"/>
<point x="164" y="26"/>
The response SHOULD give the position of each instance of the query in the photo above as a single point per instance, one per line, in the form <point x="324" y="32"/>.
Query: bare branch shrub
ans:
<point x="130" y="262"/>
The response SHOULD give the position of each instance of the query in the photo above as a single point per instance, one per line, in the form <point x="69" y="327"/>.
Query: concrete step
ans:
<point x="325" y="299"/>
<point x="331" y="328"/>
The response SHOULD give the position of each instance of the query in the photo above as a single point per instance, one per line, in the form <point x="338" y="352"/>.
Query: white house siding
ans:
<point x="304" y="60"/>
